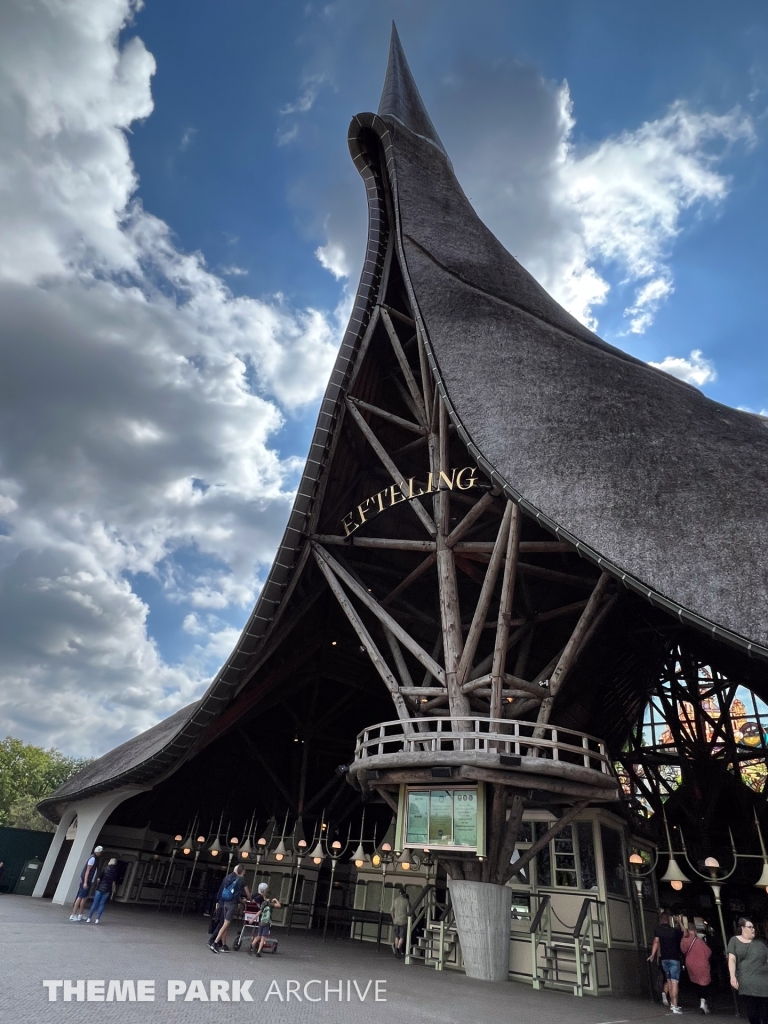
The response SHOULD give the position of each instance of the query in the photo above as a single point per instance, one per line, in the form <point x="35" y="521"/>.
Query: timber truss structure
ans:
<point x="471" y="614"/>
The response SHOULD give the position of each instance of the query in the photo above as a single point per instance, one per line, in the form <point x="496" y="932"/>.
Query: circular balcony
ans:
<point x="556" y="760"/>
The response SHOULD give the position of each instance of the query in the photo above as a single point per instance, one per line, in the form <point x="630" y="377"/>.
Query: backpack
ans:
<point x="266" y="914"/>
<point x="232" y="891"/>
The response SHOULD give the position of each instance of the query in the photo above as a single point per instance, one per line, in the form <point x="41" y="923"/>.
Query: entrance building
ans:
<point x="510" y="541"/>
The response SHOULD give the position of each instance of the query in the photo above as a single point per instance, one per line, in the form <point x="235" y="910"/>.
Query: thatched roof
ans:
<point x="649" y="478"/>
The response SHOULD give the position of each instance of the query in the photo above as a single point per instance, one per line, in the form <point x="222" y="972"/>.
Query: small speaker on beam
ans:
<point x="442" y="773"/>
<point x="509" y="760"/>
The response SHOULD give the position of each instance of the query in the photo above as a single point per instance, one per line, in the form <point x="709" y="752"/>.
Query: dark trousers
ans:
<point x="703" y="991"/>
<point x="757" y="1009"/>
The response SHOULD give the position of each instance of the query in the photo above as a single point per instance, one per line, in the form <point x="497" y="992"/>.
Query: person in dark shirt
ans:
<point x="105" y="887"/>
<point x="666" y="947"/>
<point x="227" y="902"/>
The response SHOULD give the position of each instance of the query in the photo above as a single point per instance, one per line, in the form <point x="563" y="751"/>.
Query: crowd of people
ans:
<point x="680" y="946"/>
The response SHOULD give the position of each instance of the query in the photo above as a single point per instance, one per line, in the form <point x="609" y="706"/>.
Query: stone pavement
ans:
<point x="38" y="942"/>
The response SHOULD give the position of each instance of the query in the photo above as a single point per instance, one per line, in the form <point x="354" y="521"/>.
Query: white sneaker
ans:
<point x="665" y="998"/>
<point x="87" y="920"/>
<point x="79" y="917"/>
<point x="676" y="1009"/>
<point x="703" y="1007"/>
<point x="73" y="917"/>
<point x="96" y="921"/>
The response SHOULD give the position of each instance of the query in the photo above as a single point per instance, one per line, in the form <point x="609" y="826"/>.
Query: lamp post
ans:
<point x="636" y="862"/>
<point x="383" y="857"/>
<point x="199" y="841"/>
<point x="299" y="844"/>
<point x="335" y="851"/>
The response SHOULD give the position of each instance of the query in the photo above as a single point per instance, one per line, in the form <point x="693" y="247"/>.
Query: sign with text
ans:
<point x="457" y="479"/>
<point x="447" y="818"/>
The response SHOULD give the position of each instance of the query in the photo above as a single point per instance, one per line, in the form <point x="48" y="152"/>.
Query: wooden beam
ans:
<point x="397" y="314"/>
<point x="390" y="417"/>
<point x="420" y="569"/>
<point x="505" y="607"/>
<point x="334" y="567"/>
<point x="405" y="366"/>
<point x="555" y="830"/>
<point x="365" y="638"/>
<point x="483" y="666"/>
<point x="392" y="469"/>
<point x="469" y="519"/>
<point x="484" y="600"/>
<point x="571" y="649"/>
<point x="426" y="373"/>
<point x="402" y="669"/>
<point x="383" y="543"/>
<point x="508" y="840"/>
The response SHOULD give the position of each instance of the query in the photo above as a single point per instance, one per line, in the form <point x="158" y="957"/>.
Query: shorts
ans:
<point x="82" y="892"/>
<point x="398" y="931"/>
<point x="227" y="910"/>
<point x="671" y="969"/>
<point x="263" y="929"/>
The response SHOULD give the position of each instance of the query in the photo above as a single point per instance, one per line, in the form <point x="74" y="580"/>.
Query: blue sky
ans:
<point x="183" y="228"/>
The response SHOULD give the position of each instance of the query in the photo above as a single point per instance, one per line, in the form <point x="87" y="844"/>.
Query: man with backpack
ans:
<point x="227" y="901"/>
<point x="265" y="919"/>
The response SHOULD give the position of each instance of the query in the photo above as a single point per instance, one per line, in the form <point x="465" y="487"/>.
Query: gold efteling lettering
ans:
<point x="460" y="479"/>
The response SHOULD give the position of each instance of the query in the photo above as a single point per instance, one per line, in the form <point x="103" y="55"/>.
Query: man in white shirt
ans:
<point x="87" y="876"/>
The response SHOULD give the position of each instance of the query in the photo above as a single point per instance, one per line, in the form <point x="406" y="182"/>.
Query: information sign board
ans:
<point x="449" y="818"/>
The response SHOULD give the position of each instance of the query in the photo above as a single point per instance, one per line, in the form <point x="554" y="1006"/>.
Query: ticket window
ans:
<point x="567" y="862"/>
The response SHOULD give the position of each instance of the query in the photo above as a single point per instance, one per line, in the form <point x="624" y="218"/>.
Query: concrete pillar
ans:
<point x="92" y="815"/>
<point x="53" y="850"/>
<point x="483" y="914"/>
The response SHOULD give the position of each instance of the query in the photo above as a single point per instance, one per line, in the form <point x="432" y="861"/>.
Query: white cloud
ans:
<point x="578" y="216"/>
<point x="696" y="370"/>
<point x="233" y="271"/>
<point x="307" y="96"/>
<point x="334" y="258"/>
<point x="140" y="399"/>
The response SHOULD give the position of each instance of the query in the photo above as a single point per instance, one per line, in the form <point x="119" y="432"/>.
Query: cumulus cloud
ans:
<point x="140" y="400"/>
<point x="582" y="218"/>
<point x="695" y="370"/>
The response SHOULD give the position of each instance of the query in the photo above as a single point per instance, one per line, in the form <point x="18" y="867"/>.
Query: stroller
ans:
<point x="250" y="925"/>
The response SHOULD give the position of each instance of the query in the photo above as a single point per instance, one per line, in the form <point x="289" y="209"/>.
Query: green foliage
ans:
<point x="27" y="774"/>
<point x="23" y="813"/>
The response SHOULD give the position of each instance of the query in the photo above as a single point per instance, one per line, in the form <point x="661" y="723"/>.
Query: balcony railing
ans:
<point x="499" y="738"/>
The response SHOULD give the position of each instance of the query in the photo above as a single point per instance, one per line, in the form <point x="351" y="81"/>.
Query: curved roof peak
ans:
<point x="400" y="97"/>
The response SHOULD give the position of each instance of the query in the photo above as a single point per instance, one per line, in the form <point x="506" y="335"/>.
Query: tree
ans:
<point x="27" y="774"/>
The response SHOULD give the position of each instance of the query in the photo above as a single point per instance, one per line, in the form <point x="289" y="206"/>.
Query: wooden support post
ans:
<point x="450" y="614"/>
<point x="509" y="839"/>
<point x="365" y="638"/>
<point x="483" y="666"/>
<point x="484" y="600"/>
<point x="335" y="568"/>
<point x="391" y="468"/>
<point x="505" y="608"/>
<point x="571" y="650"/>
<point x="497" y="819"/>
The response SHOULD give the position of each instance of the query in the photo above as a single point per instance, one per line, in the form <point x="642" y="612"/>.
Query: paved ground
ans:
<point x="38" y="942"/>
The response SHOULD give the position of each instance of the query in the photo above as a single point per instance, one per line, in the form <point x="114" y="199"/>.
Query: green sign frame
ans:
<point x="448" y="817"/>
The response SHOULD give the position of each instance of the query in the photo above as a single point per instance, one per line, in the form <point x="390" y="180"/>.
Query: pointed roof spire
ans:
<point x="400" y="98"/>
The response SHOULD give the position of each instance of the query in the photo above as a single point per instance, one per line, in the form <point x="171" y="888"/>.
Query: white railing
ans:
<point x="507" y="737"/>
